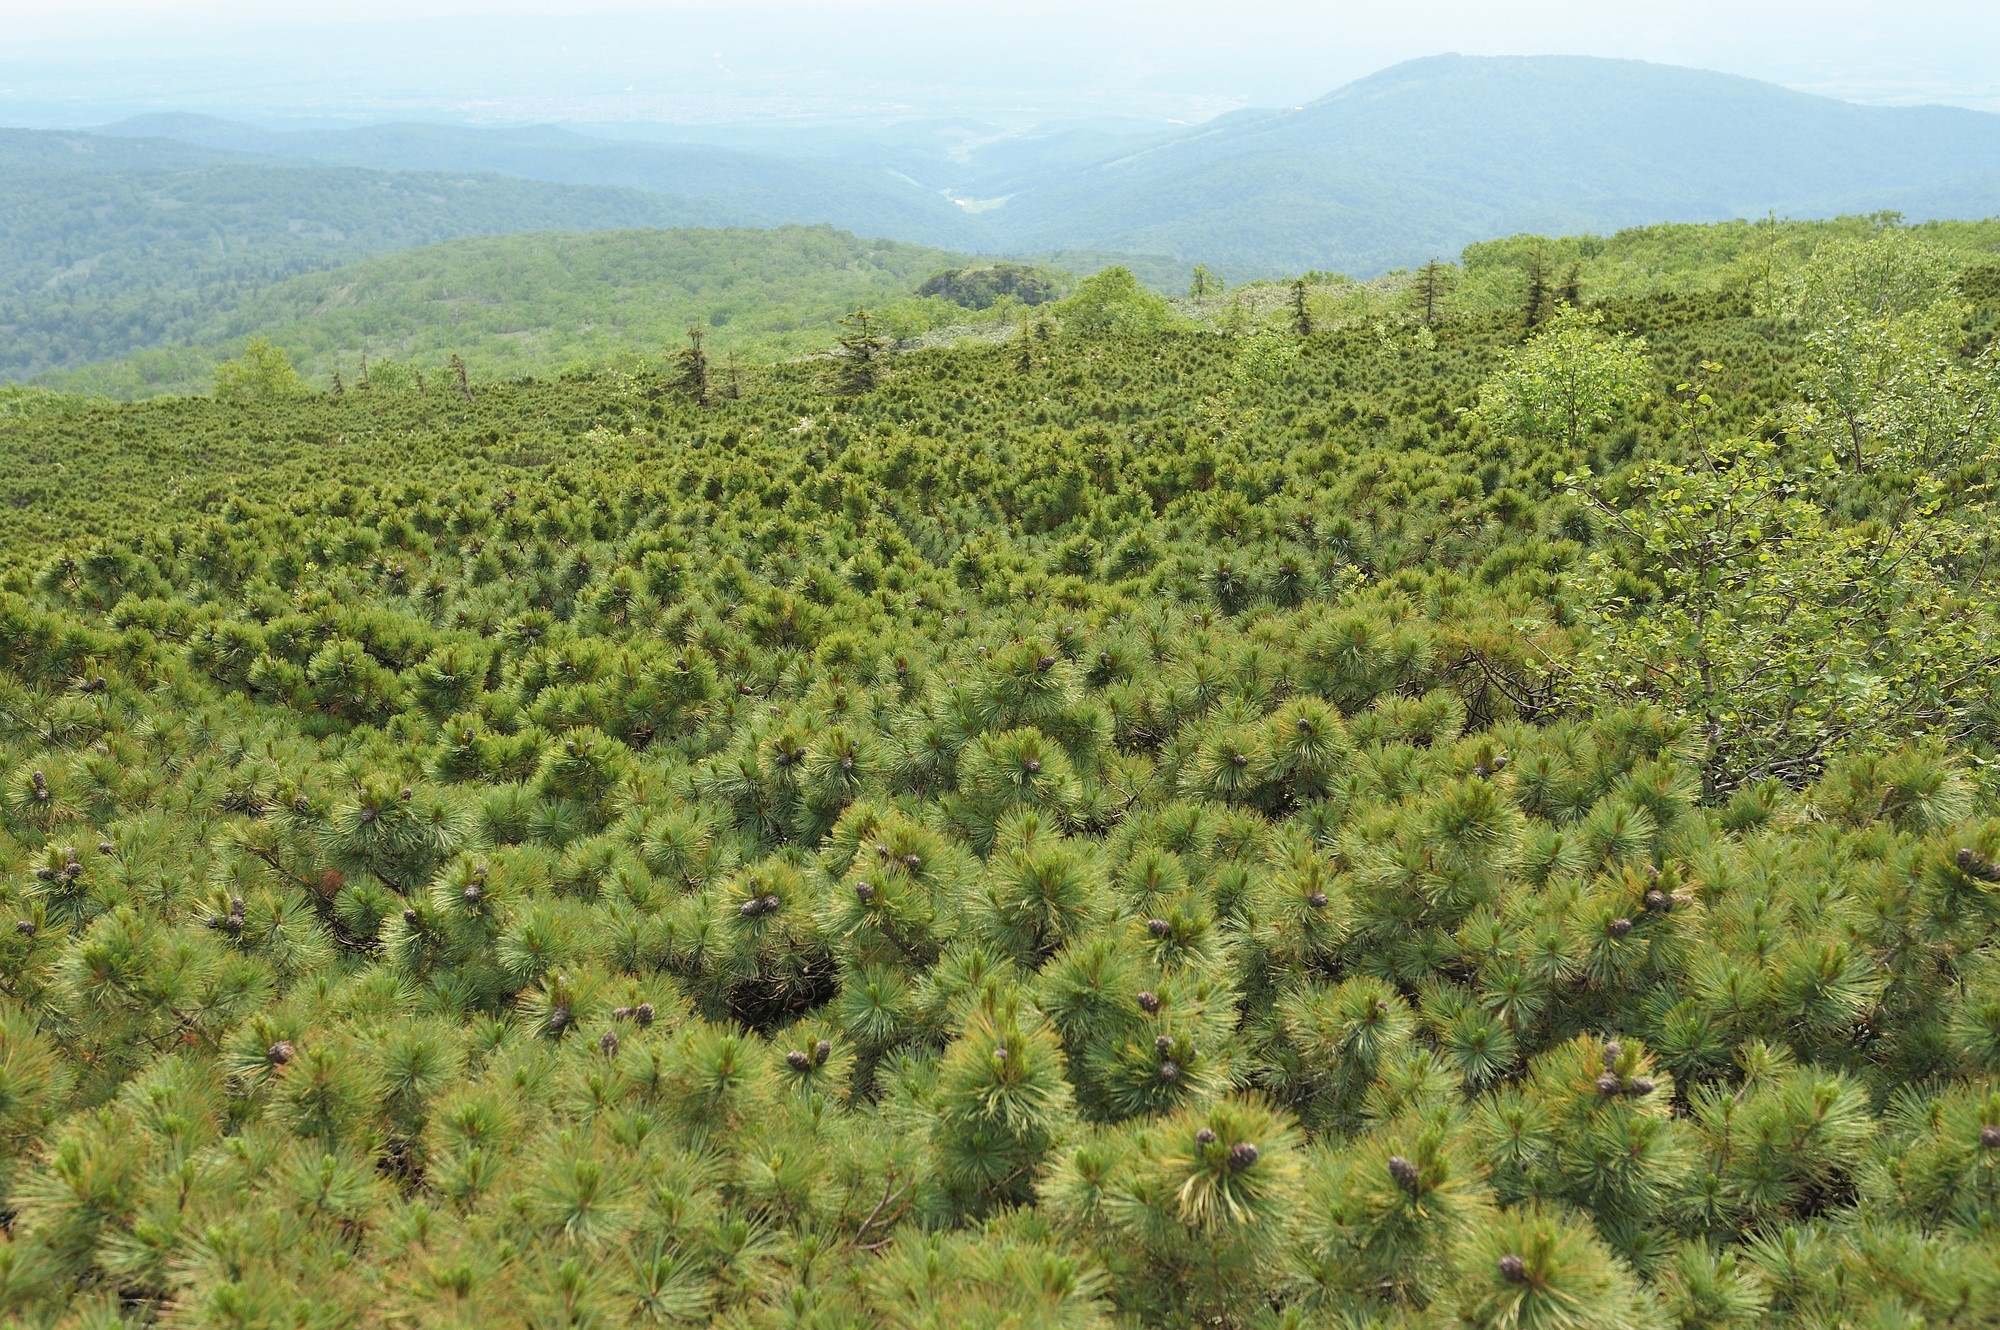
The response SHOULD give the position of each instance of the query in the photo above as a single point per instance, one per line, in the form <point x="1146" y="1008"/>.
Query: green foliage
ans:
<point x="543" y="303"/>
<point x="864" y="353"/>
<point x="1888" y="274"/>
<point x="986" y="285"/>
<point x="1570" y="379"/>
<point x="100" y="264"/>
<point x="1130" y="838"/>
<point x="1738" y="585"/>
<point x="262" y="374"/>
<point x="1113" y="304"/>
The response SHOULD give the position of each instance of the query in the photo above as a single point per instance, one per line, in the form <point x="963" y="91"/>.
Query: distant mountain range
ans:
<point x="748" y="185"/>
<point x="1418" y="160"/>
<point x="134" y="236"/>
<point x="102" y="259"/>
<point x="1429" y="156"/>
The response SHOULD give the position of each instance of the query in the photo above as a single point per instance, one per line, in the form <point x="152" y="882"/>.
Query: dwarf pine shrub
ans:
<point x="1082" y="836"/>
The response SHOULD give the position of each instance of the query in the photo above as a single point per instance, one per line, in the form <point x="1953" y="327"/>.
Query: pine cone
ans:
<point x="1641" y="1087"/>
<point x="798" y="1061"/>
<point x="1989" y="1137"/>
<point x="607" y="1043"/>
<point x="1170" y="1071"/>
<point x="1317" y="900"/>
<point x="558" y="1020"/>
<point x="474" y="894"/>
<point x="1242" y="1155"/>
<point x="1619" y="927"/>
<point x="279" y="1054"/>
<point x="1148" y="1001"/>
<point x="1404" y="1172"/>
<point x="1613" y="1050"/>
<point x="864" y="892"/>
<point x="26" y="927"/>
<point x="1607" y="1084"/>
<point x="1204" y="1137"/>
<point x="1659" y="902"/>
<point x="821" y="1052"/>
<point x="1158" y="927"/>
<point x="1513" y="1269"/>
<point x="410" y="917"/>
<point x="1034" y="766"/>
<point x="643" y="1013"/>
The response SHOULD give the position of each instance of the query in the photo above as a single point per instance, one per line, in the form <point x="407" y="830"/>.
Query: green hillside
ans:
<point x="114" y="245"/>
<point x="100" y="259"/>
<point x="539" y="303"/>
<point x="1477" y="817"/>
<point x="1435" y="154"/>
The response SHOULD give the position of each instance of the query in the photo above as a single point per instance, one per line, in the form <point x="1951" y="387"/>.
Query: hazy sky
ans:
<point x="85" y="60"/>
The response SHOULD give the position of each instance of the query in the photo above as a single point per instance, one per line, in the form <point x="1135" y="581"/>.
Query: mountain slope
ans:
<point x="750" y="188"/>
<point x="522" y="304"/>
<point x="1415" y="161"/>
<point x="70" y="151"/>
<point x="106" y="260"/>
<point x="1432" y="155"/>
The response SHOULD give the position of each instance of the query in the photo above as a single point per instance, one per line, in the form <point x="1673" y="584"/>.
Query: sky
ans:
<point x="85" y="62"/>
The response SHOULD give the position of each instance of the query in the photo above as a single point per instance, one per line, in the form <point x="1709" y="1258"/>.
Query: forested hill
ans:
<point x="541" y="302"/>
<point x="545" y="303"/>
<point x="749" y="183"/>
<point x="112" y="244"/>
<point x="1415" y="161"/>
<point x="71" y="152"/>
<point x="106" y="248"/>
<point x="1430" y="156"/>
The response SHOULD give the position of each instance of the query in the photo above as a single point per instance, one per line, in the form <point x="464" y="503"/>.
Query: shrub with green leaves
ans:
<point x="1149" y="831"/>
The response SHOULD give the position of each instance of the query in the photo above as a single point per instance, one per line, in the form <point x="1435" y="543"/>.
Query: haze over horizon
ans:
<point x="786" y="62"/>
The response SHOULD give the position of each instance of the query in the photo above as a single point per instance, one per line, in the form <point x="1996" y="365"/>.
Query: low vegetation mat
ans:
<point x="1475" y="818"/>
